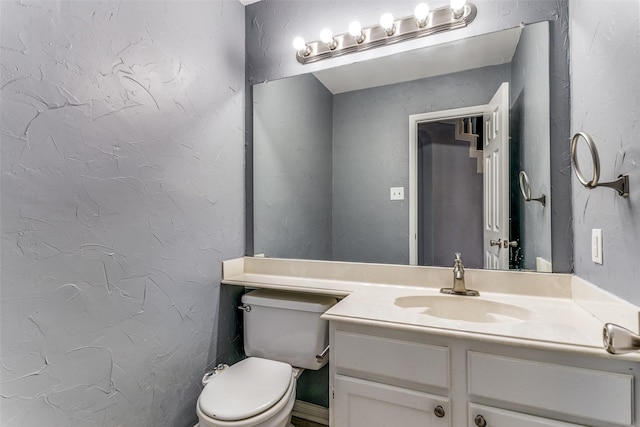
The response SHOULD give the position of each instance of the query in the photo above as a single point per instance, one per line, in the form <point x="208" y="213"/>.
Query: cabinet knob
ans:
<point x="480" y="421"/>
<point x="439" y="411"/>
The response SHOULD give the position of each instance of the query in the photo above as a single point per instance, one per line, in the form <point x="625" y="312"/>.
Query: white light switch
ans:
<point x="596" y="245"/>
<point x="397" y="193"/>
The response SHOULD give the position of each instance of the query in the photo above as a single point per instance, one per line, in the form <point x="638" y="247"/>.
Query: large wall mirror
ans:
<point x="331" y="149"/>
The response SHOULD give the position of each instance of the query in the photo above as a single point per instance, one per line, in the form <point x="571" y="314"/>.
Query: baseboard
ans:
<point x="311" y="412"/>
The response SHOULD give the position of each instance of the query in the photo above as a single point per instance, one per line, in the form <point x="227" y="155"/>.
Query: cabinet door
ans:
<point x="360" y="403"/>
<point x="493" y="417"/>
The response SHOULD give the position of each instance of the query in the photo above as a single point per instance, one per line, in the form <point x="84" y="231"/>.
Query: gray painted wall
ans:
<point x="605" y="93"/>
<point x="122" y="152"/>
<point x="272" y="25"/>
<point x="530" y="88"/>
<point x="371" y="155"/>
<point x="293" y="189"/>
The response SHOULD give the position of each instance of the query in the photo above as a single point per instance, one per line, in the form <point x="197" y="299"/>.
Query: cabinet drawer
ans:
<point x="500" y="418"/>
<point x="360" y="403"/>
<point x="584" y="393"/>
<point x="405" y="361"/>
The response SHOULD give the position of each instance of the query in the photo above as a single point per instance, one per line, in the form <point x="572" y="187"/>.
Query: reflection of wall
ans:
<point x="605" y="99"/>
<point x="530" y="70"/>
<point x="371" y="154"/>
<point x="450" y="198"/>
<point x="293" y="193"/>
<point x="122" y="154"/>
<point x="425" y="195"/>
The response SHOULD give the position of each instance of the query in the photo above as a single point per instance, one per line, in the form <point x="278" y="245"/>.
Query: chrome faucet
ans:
<point x="459" y="287"/>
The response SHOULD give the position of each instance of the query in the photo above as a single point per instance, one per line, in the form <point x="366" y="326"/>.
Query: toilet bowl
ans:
<point x="254" y="392"/>
<point x="282" y="330"/>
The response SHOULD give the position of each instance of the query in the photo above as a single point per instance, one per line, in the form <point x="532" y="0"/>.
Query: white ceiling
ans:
<point x="247" y="2"/>
<point x="475" y="52"/>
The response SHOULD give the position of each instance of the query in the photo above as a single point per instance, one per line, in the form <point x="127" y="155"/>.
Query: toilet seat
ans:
<point x="247" y="389"/>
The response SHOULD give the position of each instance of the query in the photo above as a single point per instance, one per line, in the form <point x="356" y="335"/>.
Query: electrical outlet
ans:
<point x="596" y="245"/>
<point x="397" y="193"/>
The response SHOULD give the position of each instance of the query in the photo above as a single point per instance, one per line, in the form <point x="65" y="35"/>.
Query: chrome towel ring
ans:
<point x="525" y="189"/>
<point x="621" y="185"/>
<point x="619" y="340"/>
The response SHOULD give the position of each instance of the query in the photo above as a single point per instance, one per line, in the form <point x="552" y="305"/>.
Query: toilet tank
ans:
<point x="286" y="327"/>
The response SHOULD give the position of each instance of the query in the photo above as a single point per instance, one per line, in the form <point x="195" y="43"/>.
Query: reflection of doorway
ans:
<point x="450" y="191"/>
<point x="495" y="192"/>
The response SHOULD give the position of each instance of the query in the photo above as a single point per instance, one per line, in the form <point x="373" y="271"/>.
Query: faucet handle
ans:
<point x="458" y="260"/>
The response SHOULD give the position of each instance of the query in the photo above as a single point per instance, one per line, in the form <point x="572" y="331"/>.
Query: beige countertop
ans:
<point x="552" y="311"/>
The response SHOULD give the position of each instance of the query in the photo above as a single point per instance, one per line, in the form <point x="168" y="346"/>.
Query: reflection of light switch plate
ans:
<point x="596" y="245"/>
<point x="397" y="193"/>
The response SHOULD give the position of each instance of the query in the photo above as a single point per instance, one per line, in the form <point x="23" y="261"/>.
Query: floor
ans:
<point x="298" y="422"/>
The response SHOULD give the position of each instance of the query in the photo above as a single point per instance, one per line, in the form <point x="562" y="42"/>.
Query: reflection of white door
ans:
<point x="496" y="180"/>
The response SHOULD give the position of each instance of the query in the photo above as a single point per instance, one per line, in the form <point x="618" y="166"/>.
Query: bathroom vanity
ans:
<point x="385" y="376"/>
<point x="527" y="352"/>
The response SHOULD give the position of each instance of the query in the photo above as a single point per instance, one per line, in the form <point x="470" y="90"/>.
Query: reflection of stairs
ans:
<point x="472" y="139"/>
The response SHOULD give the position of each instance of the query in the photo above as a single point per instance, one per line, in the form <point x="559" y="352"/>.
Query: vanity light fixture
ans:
<point x="423" y="22"/>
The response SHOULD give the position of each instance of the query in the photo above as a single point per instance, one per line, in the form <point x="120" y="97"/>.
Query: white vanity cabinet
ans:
<point x="386" y="376"/>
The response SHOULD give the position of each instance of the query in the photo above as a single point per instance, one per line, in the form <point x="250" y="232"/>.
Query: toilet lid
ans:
<point x="245" y="389"/>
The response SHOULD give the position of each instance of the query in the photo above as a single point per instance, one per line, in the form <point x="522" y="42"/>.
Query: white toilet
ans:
<point x="281" y="330"/>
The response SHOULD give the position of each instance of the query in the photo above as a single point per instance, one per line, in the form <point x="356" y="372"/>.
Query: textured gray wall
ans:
<point x="292" y="137"/>
<point x="605" y="93"/>
<point x="530" y="87"/>
<point x="371" y="155"/>
<point x="122" y="153"/>
<point x="272" y="25"/>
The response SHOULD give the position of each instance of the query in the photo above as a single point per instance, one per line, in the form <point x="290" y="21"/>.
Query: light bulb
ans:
<point x="421" y="13"/>
<point x="355" y="29"/>
<point x="301" y="47"/>
<point x="326" y="36"/>
<point x="457" y="6"/>
<point x="299" y="44"/>
<point x="386" y="22"/>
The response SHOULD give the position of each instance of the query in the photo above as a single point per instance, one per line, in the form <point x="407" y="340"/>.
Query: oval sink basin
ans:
<point x="469" y="309"/>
